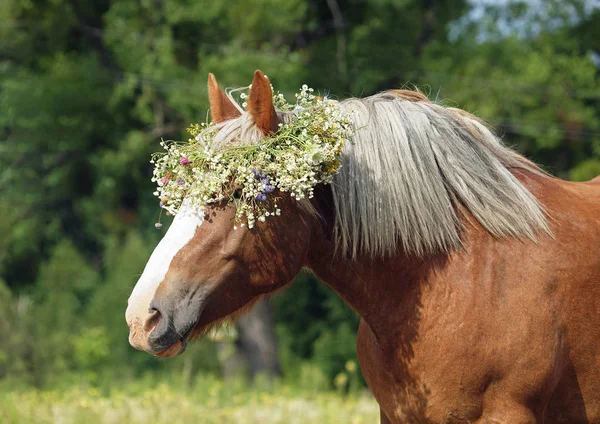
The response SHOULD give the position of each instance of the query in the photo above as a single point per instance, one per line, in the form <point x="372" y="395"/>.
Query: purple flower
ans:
<point x="261" y="197"/>
<point x="268" y="189"/>
<point x="265" y="180"/>
<point x="184" y="161"/>
<point x="258" y="173"/>
<point x="180" y="181"/>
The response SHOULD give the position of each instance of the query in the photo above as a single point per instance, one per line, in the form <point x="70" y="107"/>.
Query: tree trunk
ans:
<point x="258" y="342"/>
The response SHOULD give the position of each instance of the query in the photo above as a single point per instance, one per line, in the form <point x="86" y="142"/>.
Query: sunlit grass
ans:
<point x="211" y="401"/>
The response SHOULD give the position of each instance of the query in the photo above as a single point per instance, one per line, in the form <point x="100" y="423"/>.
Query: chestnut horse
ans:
<point x="475" y="274"/>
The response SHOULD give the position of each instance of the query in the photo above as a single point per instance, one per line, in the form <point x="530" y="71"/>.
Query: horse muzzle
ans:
<point x="163" y="329"/>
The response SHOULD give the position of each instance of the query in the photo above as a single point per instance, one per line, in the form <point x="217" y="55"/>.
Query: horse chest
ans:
<point x="451" y="372"/>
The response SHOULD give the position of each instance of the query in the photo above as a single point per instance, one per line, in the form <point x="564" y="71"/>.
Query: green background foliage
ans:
<point x="88" y="88"/>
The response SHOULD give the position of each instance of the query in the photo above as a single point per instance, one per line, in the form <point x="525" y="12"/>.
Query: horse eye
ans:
<point x="237" y="193"/>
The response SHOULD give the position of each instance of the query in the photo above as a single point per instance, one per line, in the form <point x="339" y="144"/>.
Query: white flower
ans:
<point x="302" y="154"/>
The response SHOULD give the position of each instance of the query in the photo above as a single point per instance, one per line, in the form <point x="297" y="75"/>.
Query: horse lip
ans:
<point x="175" y="349"/>
<point x="181" y="344"/>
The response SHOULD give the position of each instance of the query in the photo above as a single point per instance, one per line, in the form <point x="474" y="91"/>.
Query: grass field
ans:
<point x="210" y="402"/>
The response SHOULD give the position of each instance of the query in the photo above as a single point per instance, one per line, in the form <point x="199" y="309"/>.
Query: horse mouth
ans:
<point x="159" y="338"/>
<point x="177" y="349"/>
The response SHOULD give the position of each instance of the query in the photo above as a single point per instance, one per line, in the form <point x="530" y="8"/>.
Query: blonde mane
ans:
<point x="414" y="168"/>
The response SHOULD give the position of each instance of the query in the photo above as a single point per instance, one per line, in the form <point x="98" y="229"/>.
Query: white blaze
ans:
<point x="179" y="234"/>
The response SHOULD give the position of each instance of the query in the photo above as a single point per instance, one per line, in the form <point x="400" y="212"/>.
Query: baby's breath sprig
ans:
<point x="302" y="154"/>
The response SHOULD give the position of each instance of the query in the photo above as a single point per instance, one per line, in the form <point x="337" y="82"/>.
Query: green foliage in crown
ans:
<point x="300" y="155"/>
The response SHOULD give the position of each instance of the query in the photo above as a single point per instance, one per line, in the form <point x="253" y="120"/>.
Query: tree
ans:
<point x="88" y="89"/>
<point x="536" y="84"/>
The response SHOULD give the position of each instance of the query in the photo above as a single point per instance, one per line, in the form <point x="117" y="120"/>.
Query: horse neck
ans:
<point x="385" y="292"/>
<point x="388" y="292"/>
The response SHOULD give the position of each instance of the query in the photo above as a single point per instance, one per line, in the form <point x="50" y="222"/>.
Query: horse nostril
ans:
<point x="152" y="320"/>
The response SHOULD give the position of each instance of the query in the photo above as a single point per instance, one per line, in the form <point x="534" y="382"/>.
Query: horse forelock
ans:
<point x="242" y="130"/>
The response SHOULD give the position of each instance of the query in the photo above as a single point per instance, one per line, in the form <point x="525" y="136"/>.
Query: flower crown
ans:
<point x="300" y="155"/>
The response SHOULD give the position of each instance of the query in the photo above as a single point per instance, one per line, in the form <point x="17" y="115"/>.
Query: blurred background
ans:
<point x="89" y="88"/>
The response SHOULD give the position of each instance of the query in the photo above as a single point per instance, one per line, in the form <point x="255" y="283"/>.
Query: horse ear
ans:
<point x="221" y="107"/>
<point x="260" y="104"/>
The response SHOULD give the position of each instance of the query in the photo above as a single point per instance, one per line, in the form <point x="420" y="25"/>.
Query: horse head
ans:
<point x="204" y="270"/>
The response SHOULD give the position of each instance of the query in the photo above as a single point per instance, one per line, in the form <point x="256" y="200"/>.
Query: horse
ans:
<point x="476" y="274"/>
